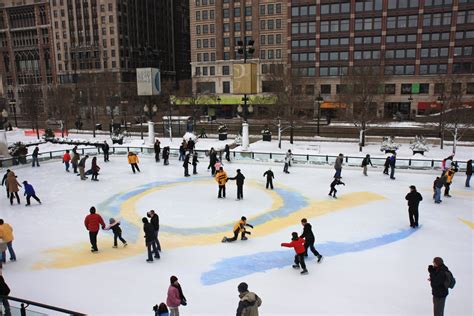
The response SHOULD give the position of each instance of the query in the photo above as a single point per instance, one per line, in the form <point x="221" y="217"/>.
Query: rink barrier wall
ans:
<point x="312" y="159"/>
<point x="24" y="304"/>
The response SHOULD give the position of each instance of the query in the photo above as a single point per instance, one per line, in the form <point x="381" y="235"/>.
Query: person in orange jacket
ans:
<point x="66" y="160"/>
<point x="221" y="178"/>
<point x="297" y="243"/>
<point x="93" y="222"/>
<point x="133" y="161"/>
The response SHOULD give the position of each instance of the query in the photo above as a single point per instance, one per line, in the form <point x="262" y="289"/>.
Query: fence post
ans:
<point x="50" y="155"/>
<point x="253" y="157"/>
<point x="409" y="162"/>
<point x="22" y="309"/>
<point x="327" y="159"/>
<point x="270" y="155"/>
<point x="432" y="163"/>
<point x="307" y="157"/>
<point x="113" y="150"/>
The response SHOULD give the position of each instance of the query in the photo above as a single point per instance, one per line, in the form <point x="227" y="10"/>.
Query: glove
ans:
<point x="431" y="269"/>
<point x="251" y="226"/>
<point x="249" y="233"/>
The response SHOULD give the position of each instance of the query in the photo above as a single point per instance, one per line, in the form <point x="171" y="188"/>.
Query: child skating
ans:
<point x="297" y="243"/>
<point x="239" y="227"/>
<point x="337" y="181"/>
<point x="115" y="227"/>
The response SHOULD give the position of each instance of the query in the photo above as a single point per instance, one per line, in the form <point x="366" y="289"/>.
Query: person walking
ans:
<point x="166" y="155"/>
<point x="338" y="165"/>
<point x="249" y="301"/>
<point x="190" y="145"/>
<point x="336" y="181"/>
<point x="30" y="193"/>
<point x="393" y="161"/>
<point x="34" y="157"/>
<point x="155" y="221"/>
<point x="439" y="274"/>
<point x="4" y="182"/>
<point x="150" y="240"/>
<point x="82" y="166"/>
<point x="66" y="160"/>
<point x="438" y="184"/>
<point x="468" y="173"/>
<point x="106" y="149"/>
<point x="221" y="178"/>
<point x="239" y="227"/>
<point x="186" y="164"/>
<point x="365" y="162"/>
<point x="270" y="176"/>
<point x="297" y="244"/>
<point x="114" y="225"/>
<point x="227" y="152"/>
<point x="449" y="179"/>
<point x="157" y="149"/>
<point x="13" y="187"/>
<point x="386" y="165"/>
<point x="239" y="180"/>
<point x="309" y="240"/>
<point x="182" y="150"/>
<point x="93" y="222"/>
<point x="175" y="296"/>
<point x="5" y="291"/>
<point x="95" y="169"/>
<point x="75" y="161"/>
<point x="212" y="161"/>
<point x="414" y="198"/>
<point x="133" y="161"/>
<point x="195" y="162"/>
<point x="288" y="158"/>
<point x="6" y="234"/>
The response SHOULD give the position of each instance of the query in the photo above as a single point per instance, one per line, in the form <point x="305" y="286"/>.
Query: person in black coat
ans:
<point x="227" y="152"/>
<point x="336" y="181"/>
<point x="155" y="221"/>
<point x="115" y="227"/>
<point x="4" y="180"/>
<point x="393" y="161"/>
<point x="309" y="239"/>
<point x="34" y="156"/>
<point x="191" y="145"/>
<point x="414" y="198"/>
<point x="239" y="179"/>
<point x="105" y="149"/>
<point x="157" y="149"/>
<point x="386" y="165"/>
<point x="438" y="275"/>
<point x="270" y="176"/>
<point x="186" y="164"/>
<point x="195" y="162"/>
<point x="468" y="173"/>
<point x="166" y="155"/>
<point x="212" y="161"/>
<point x="365" y="163"/>
<point x="5" y="291"/>
<point x="150" y="240"/>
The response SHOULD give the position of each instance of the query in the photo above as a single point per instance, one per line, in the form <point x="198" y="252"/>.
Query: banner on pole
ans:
<point x="148" y="81"/>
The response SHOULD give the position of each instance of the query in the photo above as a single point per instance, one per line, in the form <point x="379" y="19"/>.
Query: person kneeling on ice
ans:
<point x="115" y="226"/>
<point x="297" y="243"/>
<point x="30" y="193"/>
<point x="239" y="227"/>
<point x="337" y="181"/>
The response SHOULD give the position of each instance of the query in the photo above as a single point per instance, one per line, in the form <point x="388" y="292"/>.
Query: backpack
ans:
<point x="450" y="281"/>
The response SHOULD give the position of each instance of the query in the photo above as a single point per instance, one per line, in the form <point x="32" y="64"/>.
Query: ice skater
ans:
<point x="13" y="187"/>
<point x="114" y="225"/>
<point x="6" y="234"/>
<point x="150" y="240"/>
<point x="34" y="157"/>
<point x="166" y="155"/>
<point x="468" y="173"/>
<point x="414" y="198"/>
<point x="221" y="179"/>
<point x="175" y="296"/>
<point x="239" y="227"/>
<point x="155" y="221"/>
<point x="75" y="161"/>
<point x="93" y="222"/>
<point x="30" y="193"/>
<point x="392" y="163"/>
<point x="249" y="301"/>
<point x="288" y="159"/>
<point x="338" y="165"/>
<point x="82" y="167"/>
<point x="297" y="243"/>
<point x="66" y="160"/>
<point x="4" y="182"/>
<point x="212" y="161"/>
<point x="195" y="162"/>
<point x="309" y="240"/>
<point x="365" y="162"/>
<point x="449" y="179"/>
<point x="270" y="176"/>
<point x="133" y="161"/>
<point x="157" y="149"/>
<point x="95" y="169"/>
<point x="186" y="164"/>
<point x="106" y="149"/>
<point x="227" y="152"/>
<point x="386" y="165"/>
<point x="441" y="280"/>
<point x="239" y="180"/>
<point x="336" y="181"/>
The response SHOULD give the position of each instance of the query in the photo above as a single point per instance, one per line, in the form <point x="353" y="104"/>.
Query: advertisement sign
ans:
<point x="148" y="81"/>
<point x="244" y="79"/>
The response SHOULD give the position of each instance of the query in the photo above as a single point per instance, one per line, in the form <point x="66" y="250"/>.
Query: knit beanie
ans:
<point x="173" y="279"/>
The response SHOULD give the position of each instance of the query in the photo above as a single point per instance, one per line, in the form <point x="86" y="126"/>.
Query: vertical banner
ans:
<point x="148" y="81"/>
<point x="244" y="79"/>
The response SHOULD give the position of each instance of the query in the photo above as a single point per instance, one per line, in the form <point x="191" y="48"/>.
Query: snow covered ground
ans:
<point x="375" y="264"/>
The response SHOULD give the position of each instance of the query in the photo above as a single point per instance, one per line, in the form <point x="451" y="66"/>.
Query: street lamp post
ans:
<point x="112" y="111"/>
<point x="318" y="101"/>
<point x="410" y="99"/>
<point x="150" y="111"/>
<point x="13" y="108"/>
<point x="440" y="102"/>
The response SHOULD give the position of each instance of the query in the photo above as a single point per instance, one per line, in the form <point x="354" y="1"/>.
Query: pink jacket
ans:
<point x="173" y="299"/>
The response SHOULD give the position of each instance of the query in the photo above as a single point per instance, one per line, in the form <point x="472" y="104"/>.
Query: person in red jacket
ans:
<point x="66" y="160"/>
<point x="93" y="222"/>
<point x="298" y="244"/>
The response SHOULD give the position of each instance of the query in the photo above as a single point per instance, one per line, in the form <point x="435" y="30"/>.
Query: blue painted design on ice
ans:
<point x="236" y="267"/>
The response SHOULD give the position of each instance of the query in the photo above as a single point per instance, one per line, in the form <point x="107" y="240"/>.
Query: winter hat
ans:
<point x="111" y="220"/>
<point x="92" y="210"/>
<point x="243" y="287"/>
<point x="412" y="187"/>
<point x="238" y="170"/>
<point x="144" y="220"/>
<point x="294" y="236"/>
<point x="173" y="279"/>
<point x="25" y="182"/>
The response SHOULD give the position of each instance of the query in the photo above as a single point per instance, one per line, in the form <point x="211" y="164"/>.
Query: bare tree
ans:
<point x="363" y="90"/>
<point x="31" y="101"/>
<point x="60" y="101"/>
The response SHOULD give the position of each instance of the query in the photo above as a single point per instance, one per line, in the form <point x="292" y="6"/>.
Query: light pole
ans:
<point x="410" y="99"/>
<point x="318" y="101"/>
<point x="150" y="111"/>
<point x="13" y="108"/>
<point x="112" y="111"/>
<point x="440" y="101"/>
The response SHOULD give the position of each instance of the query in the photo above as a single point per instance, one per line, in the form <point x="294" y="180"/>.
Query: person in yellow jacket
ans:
<point x="133" y="161"/>
<point x="6" y="234"/>
<point x="239" y="227"/>
<point x="449" y="179"/>
<point x="221" y="178"/>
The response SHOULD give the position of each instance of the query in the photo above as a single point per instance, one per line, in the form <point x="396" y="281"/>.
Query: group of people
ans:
<point x="174" y="299"/>
<point x="12" y="185"/>
<point x="79" y="163"/>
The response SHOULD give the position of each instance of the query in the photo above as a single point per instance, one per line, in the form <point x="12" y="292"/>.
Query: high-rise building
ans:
<point x="414" y="42"/>
<point x="182" y="39"/>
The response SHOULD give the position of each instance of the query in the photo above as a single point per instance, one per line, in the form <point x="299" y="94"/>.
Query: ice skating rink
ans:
<point x="375" y="264"/>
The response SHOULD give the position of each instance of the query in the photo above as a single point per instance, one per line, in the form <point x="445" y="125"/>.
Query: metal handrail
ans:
<point x="41" y="305"/>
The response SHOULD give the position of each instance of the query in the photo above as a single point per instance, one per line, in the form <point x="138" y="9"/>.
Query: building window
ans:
<point x="389" y="89"/>
<point x="470" y="88"/>
<point x="424" y="88"/>
<point x="225" y="86"/>
<point x="226" y="56"/>
<point x="237" y="12"/>
<point x="403" y="4"/>
<point x="335" y="8"/>
<point x="212" y="70"/>
<point x="429" y="3"/>
<point x="270" y="9"/>
<point x="225" y="13"/>
<point x="325" y="89"/>
<point x="262" y="9"/>
<point x="248" y="11"/>
<point x="225" y="70"/>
